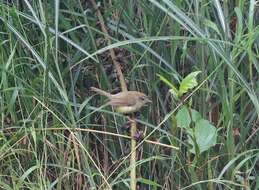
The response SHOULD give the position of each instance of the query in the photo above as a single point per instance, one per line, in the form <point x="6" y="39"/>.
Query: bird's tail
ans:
<point x="101" y="92"/>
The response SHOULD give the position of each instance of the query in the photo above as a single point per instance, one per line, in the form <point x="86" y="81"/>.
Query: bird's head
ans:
<point x="142" y="99"/>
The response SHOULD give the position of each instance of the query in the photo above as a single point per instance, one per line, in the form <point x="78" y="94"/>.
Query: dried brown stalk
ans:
<point x="133" y="180"/>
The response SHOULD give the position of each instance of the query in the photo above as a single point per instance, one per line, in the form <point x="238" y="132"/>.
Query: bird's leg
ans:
<point x="137" y="115"/>
<point x="128" y="123"/>
<point x="126" y="126"/>
<point x="138" y="135"/>
<point x="129" y="117"/>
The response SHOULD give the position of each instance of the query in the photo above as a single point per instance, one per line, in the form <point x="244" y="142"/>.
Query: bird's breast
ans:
<point x="127" y="109"/>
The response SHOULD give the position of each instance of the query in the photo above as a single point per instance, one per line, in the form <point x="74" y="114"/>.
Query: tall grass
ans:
<point x="56" y="135"/>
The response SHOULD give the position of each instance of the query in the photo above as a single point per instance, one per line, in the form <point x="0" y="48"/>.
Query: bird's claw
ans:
<point x="138" y="136"/>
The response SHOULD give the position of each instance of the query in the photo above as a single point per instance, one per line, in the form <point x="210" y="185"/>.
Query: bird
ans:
<point x="125" y="102"/>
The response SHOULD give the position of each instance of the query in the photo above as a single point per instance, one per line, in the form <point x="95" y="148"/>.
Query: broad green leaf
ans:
<point x="188" y="82"/>
<point x="205" y="135"/>
<point x="195" y="115"/>
<point x="183" y="118"/>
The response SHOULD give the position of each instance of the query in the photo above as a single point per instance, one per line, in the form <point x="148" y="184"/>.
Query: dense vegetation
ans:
<point x="55" y="134"/>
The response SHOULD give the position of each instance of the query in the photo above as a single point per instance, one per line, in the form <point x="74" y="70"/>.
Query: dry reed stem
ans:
<point x="133" y="180"/>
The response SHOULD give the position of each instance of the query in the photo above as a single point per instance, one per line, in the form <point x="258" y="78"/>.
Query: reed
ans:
<point x="55" y="135"/>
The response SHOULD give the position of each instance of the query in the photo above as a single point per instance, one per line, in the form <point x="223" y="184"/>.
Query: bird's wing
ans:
<point x="121" y="102"/>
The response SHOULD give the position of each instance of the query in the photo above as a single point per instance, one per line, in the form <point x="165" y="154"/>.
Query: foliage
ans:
<point x="202" y="135"/>
<point x="54" y="134"/>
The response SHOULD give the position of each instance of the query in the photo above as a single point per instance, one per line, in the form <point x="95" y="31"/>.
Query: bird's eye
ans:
<point x="142" y="98"/>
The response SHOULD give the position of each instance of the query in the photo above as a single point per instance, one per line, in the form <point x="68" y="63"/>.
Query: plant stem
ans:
<point x="123" y="88"/>
<point x="133" y="179"/>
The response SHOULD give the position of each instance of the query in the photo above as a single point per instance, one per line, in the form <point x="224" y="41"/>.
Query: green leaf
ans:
<point x="173" y="89"/>
<point x="183" y="118"/>
<point x="148" y="182"/>
<point x="174" y="92"/>
<point x="212" y="25"/>
<point x="195" y="115"/>
<point x="188" y="82"/>
<point x="205" y="135"/>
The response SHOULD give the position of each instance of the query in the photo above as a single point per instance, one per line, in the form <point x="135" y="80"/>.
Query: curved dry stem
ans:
<point x="133" y="179"/>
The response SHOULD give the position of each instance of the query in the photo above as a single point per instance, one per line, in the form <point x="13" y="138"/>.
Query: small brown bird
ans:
<point x="125" y="102"/>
